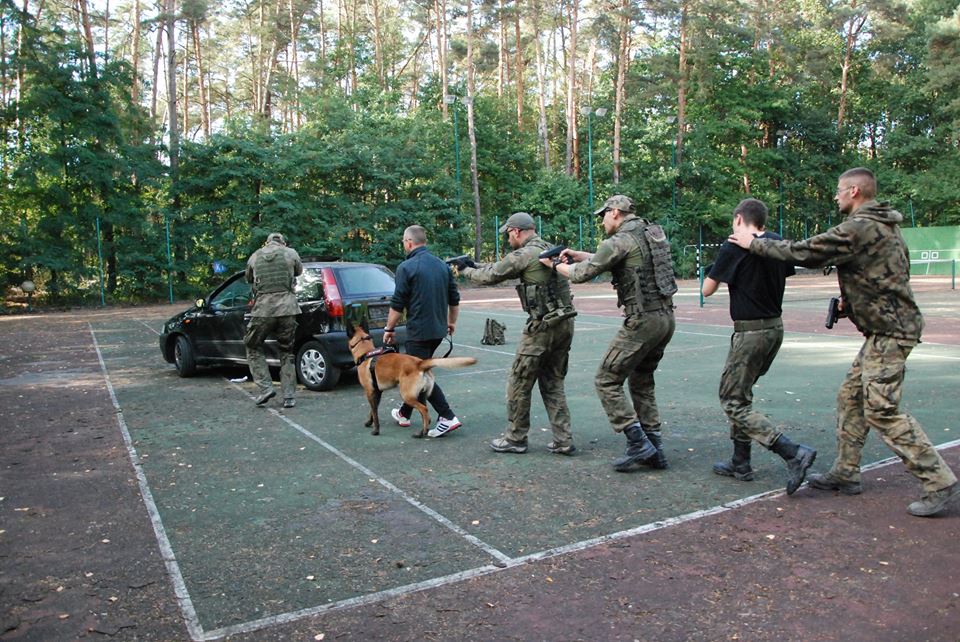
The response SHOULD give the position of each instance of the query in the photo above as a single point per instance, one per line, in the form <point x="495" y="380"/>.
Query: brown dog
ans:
<point x="380" y="370"/>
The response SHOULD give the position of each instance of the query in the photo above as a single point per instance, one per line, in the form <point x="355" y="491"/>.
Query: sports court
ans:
<point x="275" y="523"/>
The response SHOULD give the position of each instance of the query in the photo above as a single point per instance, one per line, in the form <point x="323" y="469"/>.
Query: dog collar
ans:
<point x="375" y="353"/>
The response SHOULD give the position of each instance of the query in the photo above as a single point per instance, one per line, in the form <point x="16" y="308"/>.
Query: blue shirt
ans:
<point x="425" y="288"/>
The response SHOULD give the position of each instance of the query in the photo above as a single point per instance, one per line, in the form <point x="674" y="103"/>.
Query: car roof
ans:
<point x="322" y="264"/>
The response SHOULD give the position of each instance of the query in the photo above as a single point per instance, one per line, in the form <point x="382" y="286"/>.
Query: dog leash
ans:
<point x="450" y="349"/>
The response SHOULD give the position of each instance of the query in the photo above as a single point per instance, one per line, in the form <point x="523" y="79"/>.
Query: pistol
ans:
<point x="553" y="253"/>
<point x="833" y="312"/>
<point x="460" y="262"/>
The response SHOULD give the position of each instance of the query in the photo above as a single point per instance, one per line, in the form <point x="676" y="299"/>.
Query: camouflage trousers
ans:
<point x="542" y="358"/>
<point x="633" y="356"/>
<point x="751" y="354"/>
<point x="870" y="398"/>
<point x="285" y="330"/>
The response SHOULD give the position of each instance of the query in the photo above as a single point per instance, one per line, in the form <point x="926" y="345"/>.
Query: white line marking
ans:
<point x="156" y="332"/>
<point x="372" y="598"/>
<point x="476" y="541"/>
<point x="173" y="568"/>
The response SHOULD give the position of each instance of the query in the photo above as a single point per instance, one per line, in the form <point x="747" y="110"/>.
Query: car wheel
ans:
<point x="314" y="369"/>
<point x="183" y="357"/>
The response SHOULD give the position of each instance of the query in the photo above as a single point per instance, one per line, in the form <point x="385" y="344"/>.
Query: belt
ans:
<point x="757" y="324"/>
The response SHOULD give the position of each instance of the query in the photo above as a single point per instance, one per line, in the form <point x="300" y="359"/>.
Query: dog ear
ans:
<point x="349" y="327"/>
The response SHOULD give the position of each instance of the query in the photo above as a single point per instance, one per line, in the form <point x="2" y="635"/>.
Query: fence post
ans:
<point x="496" y="235"/>
<point x="953" y="274"/>
<point x="700" y="264"/>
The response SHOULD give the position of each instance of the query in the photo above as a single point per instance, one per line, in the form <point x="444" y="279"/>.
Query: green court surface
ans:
<point x="274" y="514"/>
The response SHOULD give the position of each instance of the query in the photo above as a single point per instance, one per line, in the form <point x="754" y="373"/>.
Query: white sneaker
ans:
<point x="444" y="426"/>
<point x="400" y="419"/>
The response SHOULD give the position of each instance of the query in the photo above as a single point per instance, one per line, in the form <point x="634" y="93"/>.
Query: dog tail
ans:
<point x="449" y="362"/>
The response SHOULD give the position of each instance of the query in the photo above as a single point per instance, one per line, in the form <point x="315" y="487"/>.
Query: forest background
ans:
<point x="149" y="145"/>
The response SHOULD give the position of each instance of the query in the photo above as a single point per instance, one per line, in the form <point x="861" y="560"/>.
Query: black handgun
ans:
<point x="833" y="312"/>
<point x="461" y="262"/>
<point x="553" y="253"/>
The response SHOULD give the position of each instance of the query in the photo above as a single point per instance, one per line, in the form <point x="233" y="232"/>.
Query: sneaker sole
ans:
<point x="435" y="434"/>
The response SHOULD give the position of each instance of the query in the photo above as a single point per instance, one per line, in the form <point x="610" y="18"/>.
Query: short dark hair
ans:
<point x="416" y="234"/>
<point x="862" y="178"/>
<point x="753" y="211"/>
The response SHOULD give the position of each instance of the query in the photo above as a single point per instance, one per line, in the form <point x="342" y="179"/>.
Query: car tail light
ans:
<point x="331" y="293"/>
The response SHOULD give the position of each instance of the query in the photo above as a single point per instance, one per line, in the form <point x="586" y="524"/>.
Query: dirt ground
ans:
<point x="79" y="558"/>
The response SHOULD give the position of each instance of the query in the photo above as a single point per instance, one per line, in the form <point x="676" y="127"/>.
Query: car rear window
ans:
<point x="364" y="280"/>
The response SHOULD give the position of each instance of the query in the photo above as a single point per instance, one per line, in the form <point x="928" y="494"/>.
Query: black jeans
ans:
<point x="424" y="350"/>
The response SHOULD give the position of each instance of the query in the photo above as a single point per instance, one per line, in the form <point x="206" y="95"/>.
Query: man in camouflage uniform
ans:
<point x="545" y="344"/>
<point x="272" y="270"/>
<point x="873" y="267"/>
<point x="637" y="254"/>
<point x="756" y="287"/>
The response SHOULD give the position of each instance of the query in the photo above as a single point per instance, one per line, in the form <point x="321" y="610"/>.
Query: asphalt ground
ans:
<point x="139" y="505"/>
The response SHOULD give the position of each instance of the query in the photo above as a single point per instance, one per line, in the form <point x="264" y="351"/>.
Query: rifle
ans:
<point x="460" y="262"/>
<point x="553" y="253"/>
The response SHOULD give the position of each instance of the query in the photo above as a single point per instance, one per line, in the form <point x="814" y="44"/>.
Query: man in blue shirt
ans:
<point x="426" y="289"/>
<point x="756" y="287"/>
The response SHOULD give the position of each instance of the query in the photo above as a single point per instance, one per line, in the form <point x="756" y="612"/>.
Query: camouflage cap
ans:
<point x="616" y="202"/>
<point x="520" y="221"/>
<point x="276" y="237"/>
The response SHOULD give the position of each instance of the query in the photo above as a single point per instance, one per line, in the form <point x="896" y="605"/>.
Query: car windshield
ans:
<point x="357" y="281"/>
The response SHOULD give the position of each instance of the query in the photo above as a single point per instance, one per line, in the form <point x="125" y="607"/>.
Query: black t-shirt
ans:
<point x="756" y="283"/>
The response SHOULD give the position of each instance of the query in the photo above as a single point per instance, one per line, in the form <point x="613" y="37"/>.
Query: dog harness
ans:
<point x="372" y="356"/>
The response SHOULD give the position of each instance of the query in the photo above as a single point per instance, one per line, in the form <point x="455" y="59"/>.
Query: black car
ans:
<point x="211" y="332"/>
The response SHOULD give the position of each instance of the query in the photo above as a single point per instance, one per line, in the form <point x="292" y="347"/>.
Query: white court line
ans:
<point x="476" y="541"/>
<point x="506" y="562"/>
<point x="400" y="591"/>
<point x="173" y="568"/>
<point x="144" y="323"/>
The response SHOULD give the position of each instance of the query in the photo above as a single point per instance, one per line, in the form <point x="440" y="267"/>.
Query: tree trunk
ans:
<point x="204" y="98"/>
<point x="682" y="89"/>
<point x="573" y="165"/>
<point x="171" y="25"/>
<point x="186" y="90"/>
<point x="157" y="54"/>
<point x="378" y="45"/>
<point x="541" y="99"/>
<point x="501" y="51"/>
<point x="473" y="136"/>
<point x="854" y="26"/>
<point x="135" y="54"/>
<point x="294" y="66"/>
<point x="623" y="60"/>
<point x="518" y="65"/>
<point x="88" y="37"/>
<point x="440" y="15"/>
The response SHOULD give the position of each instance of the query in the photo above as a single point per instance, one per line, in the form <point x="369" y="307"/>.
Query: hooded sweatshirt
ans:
<point x="873" y="267"/>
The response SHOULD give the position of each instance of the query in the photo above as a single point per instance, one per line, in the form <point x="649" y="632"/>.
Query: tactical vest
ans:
<point x="649" y="285"/>
<point x="271" y="273"/>
<point x="543" y="294"/>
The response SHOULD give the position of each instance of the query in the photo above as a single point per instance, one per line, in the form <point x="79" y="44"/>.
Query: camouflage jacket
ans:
<point x="275" y="304"/>
<point x="524" y="263"/>
<point x="873" y="267"/>
<point x="620" y="247"/>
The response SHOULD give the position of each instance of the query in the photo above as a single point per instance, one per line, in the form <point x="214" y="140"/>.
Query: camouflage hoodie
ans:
<point x="873" y="266"/>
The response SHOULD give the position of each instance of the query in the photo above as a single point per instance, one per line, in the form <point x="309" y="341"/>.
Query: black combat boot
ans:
<point x="639" y="449"/>
<point x="739" y="466"/>
<point x="659" y="461"/>
<point x="799" y="458"/>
